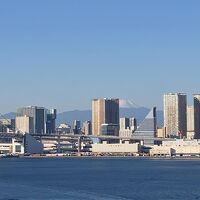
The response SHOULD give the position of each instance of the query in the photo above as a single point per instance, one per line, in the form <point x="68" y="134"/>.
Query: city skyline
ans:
<point x="123" y="103"/>
<point x="65" y="54"/>
<point x="100" y="99"/>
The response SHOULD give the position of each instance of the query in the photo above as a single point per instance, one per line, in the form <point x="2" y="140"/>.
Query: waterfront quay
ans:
<point x="56" y="145"/>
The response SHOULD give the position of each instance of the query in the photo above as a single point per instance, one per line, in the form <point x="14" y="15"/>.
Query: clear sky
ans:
<point x="63" y="53"/>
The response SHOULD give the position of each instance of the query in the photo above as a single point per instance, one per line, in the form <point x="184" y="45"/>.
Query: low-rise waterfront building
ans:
<point x="64" y="129"/>
<point x="177" y="147"/>
<point x="22" y="145"/>
<point x="116" y="147"/>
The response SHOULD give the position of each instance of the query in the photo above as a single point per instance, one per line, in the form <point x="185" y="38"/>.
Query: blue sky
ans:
<point x="64" y="53"/>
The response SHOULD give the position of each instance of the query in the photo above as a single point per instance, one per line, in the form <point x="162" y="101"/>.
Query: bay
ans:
<point x="99" y="178"/>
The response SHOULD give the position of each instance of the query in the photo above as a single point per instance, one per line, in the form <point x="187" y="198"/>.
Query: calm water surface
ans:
<point x="90" y="178"/>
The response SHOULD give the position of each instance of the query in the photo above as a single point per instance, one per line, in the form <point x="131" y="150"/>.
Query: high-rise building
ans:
<point x="148" y="128"/>
<point x="29" y="111"/>
<point x="104" y="111"/>
<point x="110" y="129"/>
<point x="124" y="123"/>
<point x="51" y="121"/>
<point x="40" y="126"/>
<point x="77" y="127"/>
<point x="190" y="122"/>
<point x="87" y="128"/>
<point x="127" y="127"/>
<point x="175" y="115"/>
<point x="43" y="119"/>
<point x="24" y="124"/>
<point x="197" y="116"/>
<point x="133" y="123"/>
<point x="77" y="124"/>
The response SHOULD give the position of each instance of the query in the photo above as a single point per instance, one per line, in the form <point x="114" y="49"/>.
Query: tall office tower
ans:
<point x="175" y="114"/>
<point x="127" y="127"/>
<point x="24" y="124"/>
<point x="40" y="126"/>
<point x="124" y="123"/>
<point x="77" y="127"/>
<point x="77" y="124"/>
<point x="87" y="128"/>
<point x="29" y="111"/>
<point x="133" y="124"/>
<point x="197" y="116"/>
<point x="190" y="122"/>
<point x="39" y="116"/>
<point x="51" y="121"/>
<point x="104" y="111"/>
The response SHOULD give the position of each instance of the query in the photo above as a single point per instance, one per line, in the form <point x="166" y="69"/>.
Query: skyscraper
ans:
<point x="24" y="124"/>
<point x="104" y="111"/>
<point x="29" y="111"/>
<point x="77" y="127"/>
<point x="127" y="127"/>
<point x="51" y="121"/>
<point x="40" y="125"/>
<point x="87" y="128"/>
<point x="175" y="114"/>
<point x="197" y="116"/>
<point x="133" y="123"/>
<point x="190" y="122"/>
<point x="43" y="120"/>
<point x="124" y="123"/>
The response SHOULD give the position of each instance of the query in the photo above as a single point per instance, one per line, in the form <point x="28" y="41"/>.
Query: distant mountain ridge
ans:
<point x="84" y="115"/>
<point x="10" y="115"/>
<point x="138" y="113"/>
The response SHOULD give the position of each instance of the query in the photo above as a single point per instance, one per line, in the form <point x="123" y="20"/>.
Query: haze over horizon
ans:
<point x="63" y="54"/>
<point x="123" y="104"/>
